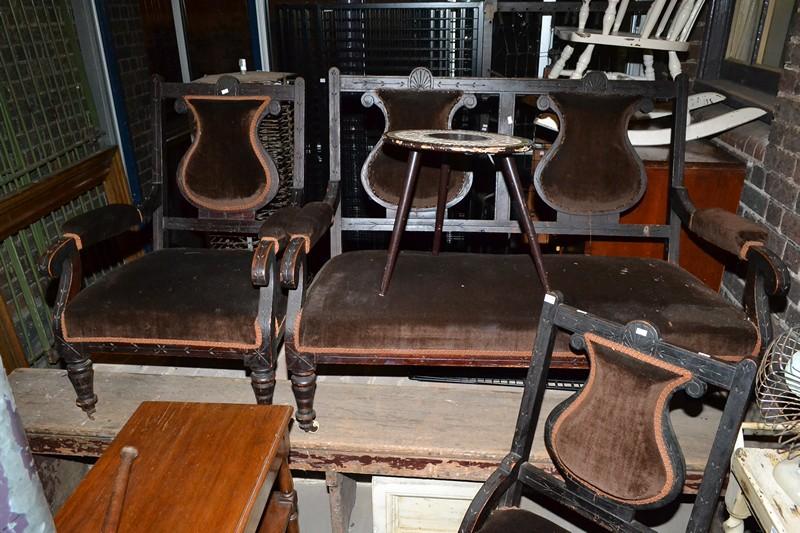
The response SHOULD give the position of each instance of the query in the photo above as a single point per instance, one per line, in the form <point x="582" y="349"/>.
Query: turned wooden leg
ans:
<point x="583" y="63"/>
<point x="559" y="65"/>
<point x="288" y="494"/>
<point x="441" y="204"/>
<point x="80" y="373"/>
<point x="401" y="218"/>
<point x="304" y="385"/>
<point x="263" y="382"/>
<point x="509" y="170"/>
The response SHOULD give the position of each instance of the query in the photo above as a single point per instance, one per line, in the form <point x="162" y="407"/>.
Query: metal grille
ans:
<point x="395" y="38"/>
<point x="47" y="122"/>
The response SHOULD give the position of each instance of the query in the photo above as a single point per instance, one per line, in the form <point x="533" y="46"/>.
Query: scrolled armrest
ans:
<point x="272" y="238"/>
<point x="310" y="224"/>
<point x="727" y="231"/>
<point x="769" y="267"/>
<point x="102" y="223"/>
<point x="52" y="260"/>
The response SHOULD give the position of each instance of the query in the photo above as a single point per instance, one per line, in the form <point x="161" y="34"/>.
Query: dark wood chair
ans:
<point x="188" y="302"/>
<point x="481" y="310"/>
<point x="612" y="442"/>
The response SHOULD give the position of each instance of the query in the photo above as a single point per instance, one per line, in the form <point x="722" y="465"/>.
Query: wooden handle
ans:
<point x="114" y="510"/>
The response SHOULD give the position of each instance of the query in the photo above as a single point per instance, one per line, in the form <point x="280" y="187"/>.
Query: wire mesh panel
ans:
<point x="395" y="38"/>
<point x="47" y="122"/>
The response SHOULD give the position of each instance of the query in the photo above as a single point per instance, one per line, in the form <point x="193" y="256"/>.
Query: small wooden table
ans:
<point x="200" y="467"/>
<point x="464" y="142"/>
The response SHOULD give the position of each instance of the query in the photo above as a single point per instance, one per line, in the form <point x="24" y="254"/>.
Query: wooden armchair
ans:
<point x="612" y="442"/>
<point x="481" y="310"/>
<point x="187" y="302"/>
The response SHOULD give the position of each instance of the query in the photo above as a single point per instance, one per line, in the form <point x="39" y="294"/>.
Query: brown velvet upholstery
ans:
<point x="385" y="166"/>
<point x="101" y="224"/>
<point x="274" y="227"/>
<point x="173" y="296"/>
<point x="226" y="167"/>
<point x="515" y="520"/>
<point x="488" y="305"/>
<point x="727" y="230"/>
<point x="593" y="129"/>
<point x="311" y="222"/>
<point x="622" y="449"/>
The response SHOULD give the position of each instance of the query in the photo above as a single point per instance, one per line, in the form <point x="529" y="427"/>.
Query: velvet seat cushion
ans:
<point x="487" y="306"/>
<point x="193" y="297"/>
<point x="513" y="520"/>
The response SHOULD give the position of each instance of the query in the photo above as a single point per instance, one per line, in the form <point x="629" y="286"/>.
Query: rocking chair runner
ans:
<point x="182" y="301"/>
<point x="616" y="452"/>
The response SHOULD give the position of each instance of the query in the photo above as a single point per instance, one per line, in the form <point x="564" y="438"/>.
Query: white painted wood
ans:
<point x="695" y="101"/>
<point x="649" y="71"/>
<point x="402" y="505"/>
<point x="698" y="130"/>
<point x="674" y="64"/>
<point x="623" y="8"/>
<point x="583" y="14"/>
<point x="652" y="18"/>
<point x="558" y="67"/>
<point x="680" y="20"/>
<point x="772" y="507"/>
<point x="610" y="16"/>
<point x="621" y="39"/>
<point x="687" y="28"/>
<point x="665" y="17"/>
<point x="583" y="62"/>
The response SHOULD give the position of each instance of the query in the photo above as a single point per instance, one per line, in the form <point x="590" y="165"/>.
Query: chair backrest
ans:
<point x="611" y="154"/>
<point x="226" y="173"/>
<point x="418" y="108"/>
<point x="592" y="168"/>
<point x="612" y="442"/>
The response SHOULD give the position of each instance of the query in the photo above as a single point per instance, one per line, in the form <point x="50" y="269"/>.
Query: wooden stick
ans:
<point x="114" y="510"/>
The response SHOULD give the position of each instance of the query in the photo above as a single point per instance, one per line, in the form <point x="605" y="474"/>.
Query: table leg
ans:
<point x="441" y="204"/>
<point x="509" y="170"/>
<point x="401" y="218"/>
<point x="286" y="488"/>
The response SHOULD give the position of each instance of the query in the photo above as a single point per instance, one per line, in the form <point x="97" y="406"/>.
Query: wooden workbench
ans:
<point x="428" y="431"/>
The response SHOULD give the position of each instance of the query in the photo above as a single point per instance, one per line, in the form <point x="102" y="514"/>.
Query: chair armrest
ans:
<point x="86" y="229"/>
<point x="51" y="263"/>
<point x="304" y="231"/>
<point x="101" y="224"/>
<point x="272" y="238"/>
<point x="151" y="203"/>
<point x="727" y="231"/>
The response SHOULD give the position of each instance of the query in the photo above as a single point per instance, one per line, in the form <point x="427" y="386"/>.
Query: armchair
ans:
<point x="211" y="303"/>
<point x="481" y="310"/>
<point x="616" y="456"/>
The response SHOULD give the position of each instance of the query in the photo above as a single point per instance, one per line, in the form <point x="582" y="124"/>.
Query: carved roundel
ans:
<point x="420" y="78"/>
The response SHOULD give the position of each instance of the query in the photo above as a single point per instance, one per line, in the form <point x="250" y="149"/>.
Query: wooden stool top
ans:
<point x="459" y="142"/>
<point x="200" y="467"/>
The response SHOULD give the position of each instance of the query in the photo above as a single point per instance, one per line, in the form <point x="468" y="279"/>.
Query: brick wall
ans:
<point x="771" y="192"/>
<point x="125" y="21"/>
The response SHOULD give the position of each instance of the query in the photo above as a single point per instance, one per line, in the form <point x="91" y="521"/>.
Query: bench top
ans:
<point x="456" y="432"/>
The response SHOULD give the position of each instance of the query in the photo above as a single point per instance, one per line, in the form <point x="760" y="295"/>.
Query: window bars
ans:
<point x="47" y="122"/>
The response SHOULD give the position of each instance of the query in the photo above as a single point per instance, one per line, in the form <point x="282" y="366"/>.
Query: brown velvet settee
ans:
<point x="481" y="310"/>
<point x="188" y="302"/>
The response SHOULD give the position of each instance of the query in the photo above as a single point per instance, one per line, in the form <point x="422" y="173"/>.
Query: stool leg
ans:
<point x="441" y="204"/>
<point x="401" y="218"/>
<point x="509" y="170"/>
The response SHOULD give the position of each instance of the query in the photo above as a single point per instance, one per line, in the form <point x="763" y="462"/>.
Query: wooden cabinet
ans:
<point x="713" y="177"/>
<point x="200" y="467"/>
